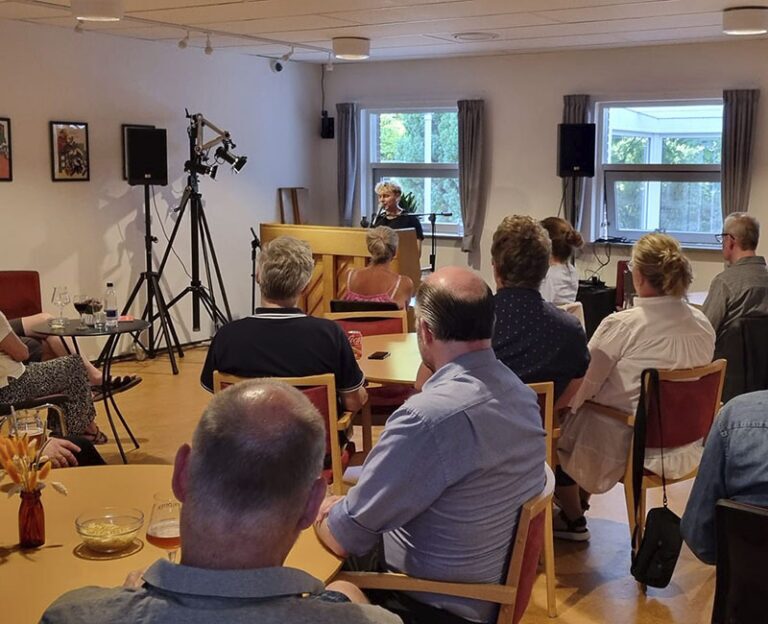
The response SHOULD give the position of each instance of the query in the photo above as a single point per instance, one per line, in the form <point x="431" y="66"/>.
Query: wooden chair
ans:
<point x="342" y="305"/>
<point x="20" y="293"/>
<point x="513" y="593"/>
<point x="321" y="391"/>
<point x="576" y="308"/>
<point x="545" y="393"/>
<point x="372" y="323"/>
<point x="742" y="553"/>
<point x="53" y="403"/>
<point x="690" y="400"/>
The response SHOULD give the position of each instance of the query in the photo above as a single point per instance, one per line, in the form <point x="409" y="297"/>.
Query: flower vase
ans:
<point x="31" y="520"/>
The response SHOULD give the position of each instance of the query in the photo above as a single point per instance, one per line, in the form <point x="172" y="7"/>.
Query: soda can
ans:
<point x="356" y="342"/>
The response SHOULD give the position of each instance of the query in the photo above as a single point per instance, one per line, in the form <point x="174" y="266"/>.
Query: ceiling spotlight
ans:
<point x="746" y="20"/>
<point x="351" y="48"/>
<point x="208" y="46"/>
<point x="184" y="42"/>
<point x="97" y="10"/>
<point x="287" y="56"/>
<point x="79" y="27"/>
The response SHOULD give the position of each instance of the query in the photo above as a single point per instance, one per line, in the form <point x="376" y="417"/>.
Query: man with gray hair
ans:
<point x="440" y="493"/>
<point x="742" y="289"/>
<point x="280" y="340"/>
<point x="249" y="484"/>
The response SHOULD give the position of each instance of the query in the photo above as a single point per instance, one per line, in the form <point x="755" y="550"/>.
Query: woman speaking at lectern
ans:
<point x="391" y="214"/>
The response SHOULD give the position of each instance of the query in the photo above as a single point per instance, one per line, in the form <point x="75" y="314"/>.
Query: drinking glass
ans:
<point x="30" y="422"/>
<point x="60" y="299"/>
<point x="82" y="305"/>
<point x="163" y="530"/>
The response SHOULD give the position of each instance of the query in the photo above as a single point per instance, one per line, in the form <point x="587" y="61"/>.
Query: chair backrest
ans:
<point x="20" y="293"/>
<point x="525" y="552"/>
<point x="342" y="305"/>
<point x="576" y="308"/>
<point x="371" y="323"/>
<point x="690" y="400"/>
<point x="743" y="344"/>
<point x="742" y="557"/>
<point x="545" y="393"/>
<point x="319" y="389"/>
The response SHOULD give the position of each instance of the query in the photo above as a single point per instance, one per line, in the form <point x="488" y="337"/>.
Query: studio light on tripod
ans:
<point x="237" y="162"/>
<point x="202" y="169"/>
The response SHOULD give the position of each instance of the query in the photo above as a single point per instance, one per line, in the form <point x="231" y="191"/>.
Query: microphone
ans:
<point x="382" y="211"/>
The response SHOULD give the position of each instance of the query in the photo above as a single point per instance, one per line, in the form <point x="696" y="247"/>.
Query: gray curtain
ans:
<point x="471" y="191"/>
<point x="739" y="116"/>
<point x="576" y="110"/>
<point x="348" y="166"/>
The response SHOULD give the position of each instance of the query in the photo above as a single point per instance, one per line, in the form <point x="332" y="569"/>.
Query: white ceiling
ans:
<point x="400" y="29"/>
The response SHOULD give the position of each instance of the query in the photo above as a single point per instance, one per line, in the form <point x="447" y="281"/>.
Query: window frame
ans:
<point x="604" y="208"/>
<point x="373" y="171"/>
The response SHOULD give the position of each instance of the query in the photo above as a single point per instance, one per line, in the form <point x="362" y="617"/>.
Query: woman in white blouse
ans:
<point x="661" y="331"/>
<point x="562" y="280"/>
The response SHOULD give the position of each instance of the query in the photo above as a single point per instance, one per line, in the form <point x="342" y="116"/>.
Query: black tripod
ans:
<point x="152" y="280"/>
<point x="198" y="224"/>
<point x="432" y="217"/>
<point x="255" y="245"/>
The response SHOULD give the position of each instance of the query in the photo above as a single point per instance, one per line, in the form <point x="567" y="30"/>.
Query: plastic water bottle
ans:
<point x="110" y="306"/>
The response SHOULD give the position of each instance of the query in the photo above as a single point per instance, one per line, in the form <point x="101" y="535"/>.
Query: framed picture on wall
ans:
<point x="6" y="159"/>
<point x="70" y="159"/>
<point x="124" y="143"/>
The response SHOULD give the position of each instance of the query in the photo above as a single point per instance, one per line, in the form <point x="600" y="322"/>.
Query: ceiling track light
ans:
<point x="351" y="48"/>
<point x="745" y="20"/>
<point x="184" y="42"/>
<point x="208" y="46"/>
<point x="97" y="10"/>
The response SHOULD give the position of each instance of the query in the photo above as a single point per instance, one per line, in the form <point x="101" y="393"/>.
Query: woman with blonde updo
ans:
<point x="562" y="280"/>
<point x="378" y="282"/>
<point x="662" y="331"/>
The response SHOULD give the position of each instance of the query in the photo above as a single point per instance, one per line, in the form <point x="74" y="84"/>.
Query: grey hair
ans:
<point x="392" y="187"/>
<point x="744" y="228"/>
<point x="257" y="450"/>
<point x="285" y="267"/>
<point x="456" y="316"/>
<point x="382" y="244"/>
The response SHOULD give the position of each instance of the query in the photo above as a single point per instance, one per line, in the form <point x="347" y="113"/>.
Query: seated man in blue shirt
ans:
<point x="249" y="484"/>
<point x="534" y="338"/>
<point x="442" y="490"/>
<point x="734" y="466"/>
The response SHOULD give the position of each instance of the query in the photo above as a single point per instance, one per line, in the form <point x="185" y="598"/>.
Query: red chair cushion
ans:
<point x="20" y="293"/>
<point x="687" y="411"/>
<point x="373" y="326"/>
<point x="528" y="569"/>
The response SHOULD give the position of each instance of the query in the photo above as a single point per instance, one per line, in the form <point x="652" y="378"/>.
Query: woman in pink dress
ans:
<point x="378" y="282"/>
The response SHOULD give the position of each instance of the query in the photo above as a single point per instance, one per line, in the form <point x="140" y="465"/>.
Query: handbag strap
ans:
<point x="649" y="380"/>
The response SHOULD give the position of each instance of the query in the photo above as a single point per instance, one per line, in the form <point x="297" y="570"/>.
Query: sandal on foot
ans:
<point x="97" y="437"/>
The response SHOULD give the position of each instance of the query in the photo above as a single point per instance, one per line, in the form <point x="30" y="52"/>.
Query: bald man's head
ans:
<point x="257" y="450"/>
<point x="457" y="305"/>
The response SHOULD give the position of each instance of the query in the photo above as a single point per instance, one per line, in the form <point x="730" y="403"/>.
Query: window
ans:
<point x="659" y="169"/>
<point x="419" y="150"/>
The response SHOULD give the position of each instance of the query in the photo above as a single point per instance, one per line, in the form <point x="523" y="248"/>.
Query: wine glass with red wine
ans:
<point x="164" y="522"/>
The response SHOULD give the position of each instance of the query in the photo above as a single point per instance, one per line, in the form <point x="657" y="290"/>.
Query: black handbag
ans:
<point x="655" y="555"/>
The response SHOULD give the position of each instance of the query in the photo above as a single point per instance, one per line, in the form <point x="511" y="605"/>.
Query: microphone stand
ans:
<point x="255" y="244"/>
<point x="432" y="217"/>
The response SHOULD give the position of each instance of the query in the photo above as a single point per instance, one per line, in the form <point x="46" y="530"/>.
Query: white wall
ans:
<point x="524" y="95"/>
<point x="81" y="234"/>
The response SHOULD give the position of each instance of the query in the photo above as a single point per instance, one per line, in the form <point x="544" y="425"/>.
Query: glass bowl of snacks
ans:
<point x="109" y="529"/>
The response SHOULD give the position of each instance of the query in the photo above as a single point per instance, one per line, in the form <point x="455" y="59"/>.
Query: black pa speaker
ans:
<point x="146" y="153"/>
<point x="576" y="150"/>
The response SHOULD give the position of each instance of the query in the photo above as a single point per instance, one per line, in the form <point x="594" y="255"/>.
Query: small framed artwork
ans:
<point x="124" y="143"/>
<point x="6" y="159"/>
<point x="70" y="159"/>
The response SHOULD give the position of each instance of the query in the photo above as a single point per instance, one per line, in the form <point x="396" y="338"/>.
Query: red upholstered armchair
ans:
<point x="20" y="293"/>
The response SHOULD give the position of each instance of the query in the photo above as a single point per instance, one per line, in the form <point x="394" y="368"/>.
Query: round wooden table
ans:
<point x="30" y="580"/>
<point x="401" y="366"/>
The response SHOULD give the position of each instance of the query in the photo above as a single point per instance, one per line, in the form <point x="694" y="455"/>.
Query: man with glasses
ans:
<point x="742" y="289"/>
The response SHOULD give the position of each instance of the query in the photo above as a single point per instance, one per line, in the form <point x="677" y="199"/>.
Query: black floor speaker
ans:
<point x="146" y="151"/>
<point x="576" y="150"/>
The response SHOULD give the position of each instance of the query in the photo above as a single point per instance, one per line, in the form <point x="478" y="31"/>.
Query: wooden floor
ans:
<point x="593" y="580"/>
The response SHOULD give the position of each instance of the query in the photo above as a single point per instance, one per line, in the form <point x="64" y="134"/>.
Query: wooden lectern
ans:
<point x="336" y="250"/>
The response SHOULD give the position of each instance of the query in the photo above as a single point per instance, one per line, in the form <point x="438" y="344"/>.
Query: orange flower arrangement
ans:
<point x="25" y="464"/>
